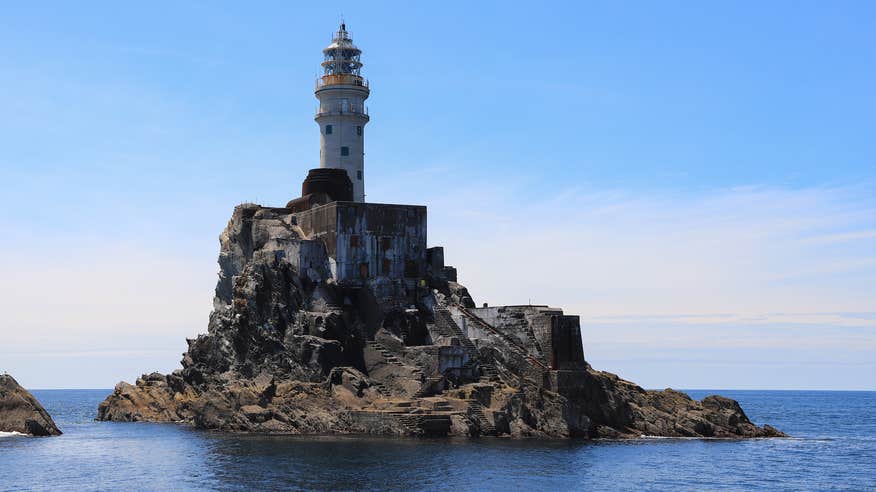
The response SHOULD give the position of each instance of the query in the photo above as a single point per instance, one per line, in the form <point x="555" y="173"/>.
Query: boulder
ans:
<point x="21" y="412"/>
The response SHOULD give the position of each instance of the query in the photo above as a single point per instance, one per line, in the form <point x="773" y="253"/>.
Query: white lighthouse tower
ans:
<point x="342" y="114"/>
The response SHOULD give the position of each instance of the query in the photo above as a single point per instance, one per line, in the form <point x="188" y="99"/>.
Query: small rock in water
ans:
<point x="21" y="413"/>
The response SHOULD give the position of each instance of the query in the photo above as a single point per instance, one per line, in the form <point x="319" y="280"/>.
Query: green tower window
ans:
<point x="359" y="131"/>
<point x="328" y="129"/>
<point x="359" y="174"/>
<point x="345" y="150"/>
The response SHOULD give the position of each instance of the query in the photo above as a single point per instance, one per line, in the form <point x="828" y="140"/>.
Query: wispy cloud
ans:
<point x="743" y="251"/>
<point x="761" y="276"/>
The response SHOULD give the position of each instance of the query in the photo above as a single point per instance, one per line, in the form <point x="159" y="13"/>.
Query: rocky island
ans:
<point x="332" y="315"/>
<point x="291" y="350"/>
<point x="20" y="412"/>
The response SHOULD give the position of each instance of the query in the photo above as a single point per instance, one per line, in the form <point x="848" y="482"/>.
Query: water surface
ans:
<point x="834" y="449"/>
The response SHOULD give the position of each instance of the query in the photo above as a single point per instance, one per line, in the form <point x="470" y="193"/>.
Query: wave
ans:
<point x="11" y="434"/>
<point x="646" y="437"/>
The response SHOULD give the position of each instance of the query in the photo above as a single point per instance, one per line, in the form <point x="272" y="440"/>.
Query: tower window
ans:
<point x="328" y="129"/>
<point x="359" y="131"/>
<point x="345" y="150"/>
<point x="359" y="174"/>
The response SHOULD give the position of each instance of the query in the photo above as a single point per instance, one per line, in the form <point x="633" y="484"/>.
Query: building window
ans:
<point x="359" y="174"/>
<point x="359" y="131"/>
<point x="345" y="150"/>
<point x="328" y="129"/>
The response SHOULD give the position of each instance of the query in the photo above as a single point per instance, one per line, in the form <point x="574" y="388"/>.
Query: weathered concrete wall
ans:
<point x="545" y="332"/>
<point x="313" y="262"/>
<point x="451" y="357"/>
<point x="518" y="323"/>
<point x="370" y="240"/>
<point x="321" y="223"/>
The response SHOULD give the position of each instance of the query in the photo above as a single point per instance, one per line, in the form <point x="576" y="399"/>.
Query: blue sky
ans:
<point x="697" y="181"/>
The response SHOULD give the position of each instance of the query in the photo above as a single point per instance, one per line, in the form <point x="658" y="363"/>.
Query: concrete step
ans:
<point x="426" y="388"/>
<point x="477" y="411"/>
<point x="380" y="388"/>
<point x="425" y="423"/>
<point x="384" y="352"/>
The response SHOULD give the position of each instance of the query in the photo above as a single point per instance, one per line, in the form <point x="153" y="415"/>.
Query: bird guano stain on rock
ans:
<point x="292" y="350"/>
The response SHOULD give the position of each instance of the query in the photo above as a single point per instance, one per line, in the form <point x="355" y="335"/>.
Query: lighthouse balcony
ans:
<point x="361" y="112"/>
<point x="341" y="79"/>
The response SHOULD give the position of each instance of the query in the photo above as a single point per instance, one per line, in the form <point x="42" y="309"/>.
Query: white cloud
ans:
<point x="739" y="251"/>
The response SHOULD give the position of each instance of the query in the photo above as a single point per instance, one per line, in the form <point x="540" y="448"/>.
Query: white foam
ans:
<point x="11" y="434"/>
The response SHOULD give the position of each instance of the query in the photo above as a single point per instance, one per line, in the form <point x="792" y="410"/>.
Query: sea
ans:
<point x="833" y="448"/>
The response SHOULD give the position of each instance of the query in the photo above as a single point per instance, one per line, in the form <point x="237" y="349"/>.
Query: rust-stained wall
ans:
<point x="368" y="241"/>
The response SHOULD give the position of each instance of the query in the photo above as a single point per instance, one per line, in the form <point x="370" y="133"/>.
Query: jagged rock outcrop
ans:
<point x="21" y="412"/>
<point x="289" y="351"/>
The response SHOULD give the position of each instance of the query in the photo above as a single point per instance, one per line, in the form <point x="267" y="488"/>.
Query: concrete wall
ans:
<point x="545" y="332"/>
<point x="367" y="241"/>
<point x="517" y="322"/>
<point x="451" y="357"/>
<point x="313" y="262"/>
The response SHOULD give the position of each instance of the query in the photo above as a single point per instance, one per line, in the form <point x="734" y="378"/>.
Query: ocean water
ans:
<point x="833" y="448"/>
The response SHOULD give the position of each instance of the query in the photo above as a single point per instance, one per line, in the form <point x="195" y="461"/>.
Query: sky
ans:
<point x="696" y="180"/>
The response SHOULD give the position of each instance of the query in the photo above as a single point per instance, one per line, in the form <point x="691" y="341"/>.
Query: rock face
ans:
<point x="289" y="351"/>
<point x="21" y="412"/>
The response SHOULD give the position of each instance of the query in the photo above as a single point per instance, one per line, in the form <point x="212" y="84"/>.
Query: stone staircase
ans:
<point x="391" y="358"/>
<point x="425" y="423"/>
<point x="530" y="336"/>
<point x="428" y="384"/>
<point x="447" y="327"/>
<point x="476" y="410"/>
<point x="380" y="388"/>
<point x="422" y="417"/>
<point x="489" y="373"/>
<point x="509" y="342"/>
<point x="384" y="352"/>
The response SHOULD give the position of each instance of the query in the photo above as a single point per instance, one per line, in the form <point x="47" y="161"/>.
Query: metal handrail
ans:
<point x="340" y="110"/>
<point x="341" y="79"/>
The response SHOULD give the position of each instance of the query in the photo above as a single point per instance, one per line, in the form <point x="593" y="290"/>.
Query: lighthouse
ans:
<point x="345" y="239"/>
<point x="342" y="114"/>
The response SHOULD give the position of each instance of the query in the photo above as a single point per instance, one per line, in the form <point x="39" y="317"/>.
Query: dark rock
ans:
<point x="21" y="412"/>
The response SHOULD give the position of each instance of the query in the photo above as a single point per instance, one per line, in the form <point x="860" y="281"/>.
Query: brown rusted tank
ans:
<point x="323" y="185"/>
<point x="333" y="182"/>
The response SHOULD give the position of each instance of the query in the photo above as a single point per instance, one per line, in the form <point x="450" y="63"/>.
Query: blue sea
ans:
<point x="833" y="448"/>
